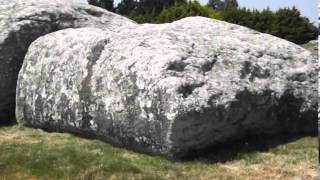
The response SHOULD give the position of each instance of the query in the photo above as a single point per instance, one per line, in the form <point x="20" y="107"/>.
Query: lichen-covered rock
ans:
<point x="168" y="89"/>
<point x="23" y="21"/>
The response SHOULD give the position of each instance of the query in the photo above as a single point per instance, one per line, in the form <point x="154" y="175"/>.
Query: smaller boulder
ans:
<point x="23" y="21"/>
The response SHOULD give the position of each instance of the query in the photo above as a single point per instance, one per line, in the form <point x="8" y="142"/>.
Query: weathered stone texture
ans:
<point x="23" y="21"/>
<point x="168" y="89"/>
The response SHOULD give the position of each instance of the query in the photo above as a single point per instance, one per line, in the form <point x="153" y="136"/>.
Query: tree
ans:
<point x="264" y="21"/>
<point x="149" y="8"/>
<point x="290" y="25"/>
<point x="105" y="4"/>
<point x="127" y="7"/>
<point x="231" y="4"/>
<point x="181" y="10"/>
<point x="286" y="23"/>
<point x="222" y="4"/>
<point x="154" y="7"/>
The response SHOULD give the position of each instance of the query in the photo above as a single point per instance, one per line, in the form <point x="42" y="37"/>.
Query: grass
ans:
<point x="313" y="48"/>
<point x="34" y="154"/>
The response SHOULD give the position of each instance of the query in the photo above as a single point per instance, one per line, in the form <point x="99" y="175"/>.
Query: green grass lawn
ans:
<point x="34" y="154"/>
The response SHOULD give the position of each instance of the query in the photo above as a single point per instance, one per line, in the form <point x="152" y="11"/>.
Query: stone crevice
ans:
<point x="85" y="91"/>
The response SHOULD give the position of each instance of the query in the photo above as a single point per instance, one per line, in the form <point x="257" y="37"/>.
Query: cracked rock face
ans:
<point x="168" y="89"/>
<point x="23" y="21"/>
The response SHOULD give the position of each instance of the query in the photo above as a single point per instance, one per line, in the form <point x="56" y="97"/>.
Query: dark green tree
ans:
<point x="222" y="4"/>
<point x="127" y="7"/>
<point x="264" y="21"/>
<point x="290" y="25"/>
<point x="105" y="4"/>
<point x="154" y="7"/>
<point x="286" y="23"/>
<point x="148" y="8"/>
<point x="182" y="10"/>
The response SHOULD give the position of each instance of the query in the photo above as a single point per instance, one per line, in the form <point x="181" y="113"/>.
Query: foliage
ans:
<point x="291" y="26"/>
<point x="286" y="23"/>
<point x="222" y="4"/>
<point x="34" y="154"/>
<point x="182" y="10"/>
<point x="126" y="7"/>
<point x="148" y="8"/>
<point x="106" y="4"/>
<point x="143" y="19"/>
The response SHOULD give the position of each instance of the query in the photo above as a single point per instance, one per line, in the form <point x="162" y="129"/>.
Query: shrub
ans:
<point x="290" y="25"/>
<point x="106" y="4"/>
<point x="182" y="10"/>
<point x="286" y="23"/>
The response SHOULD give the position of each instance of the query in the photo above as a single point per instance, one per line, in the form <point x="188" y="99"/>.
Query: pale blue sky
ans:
<point x="308" y="8"/>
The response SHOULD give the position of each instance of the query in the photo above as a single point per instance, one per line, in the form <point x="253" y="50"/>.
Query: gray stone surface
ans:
<point x="23" y="21"/>
<point x="168" y="89"/>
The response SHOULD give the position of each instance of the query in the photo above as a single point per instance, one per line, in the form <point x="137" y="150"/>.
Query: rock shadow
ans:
<point x="229" y="151"/>
<point x="7" y="117"/>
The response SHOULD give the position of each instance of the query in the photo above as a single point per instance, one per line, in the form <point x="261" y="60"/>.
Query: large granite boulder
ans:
<point x="168" y="89"/>
<point x="23" y="21"/>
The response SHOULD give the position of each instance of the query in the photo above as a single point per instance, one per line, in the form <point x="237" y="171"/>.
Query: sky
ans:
<point x="308" y="8"/>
